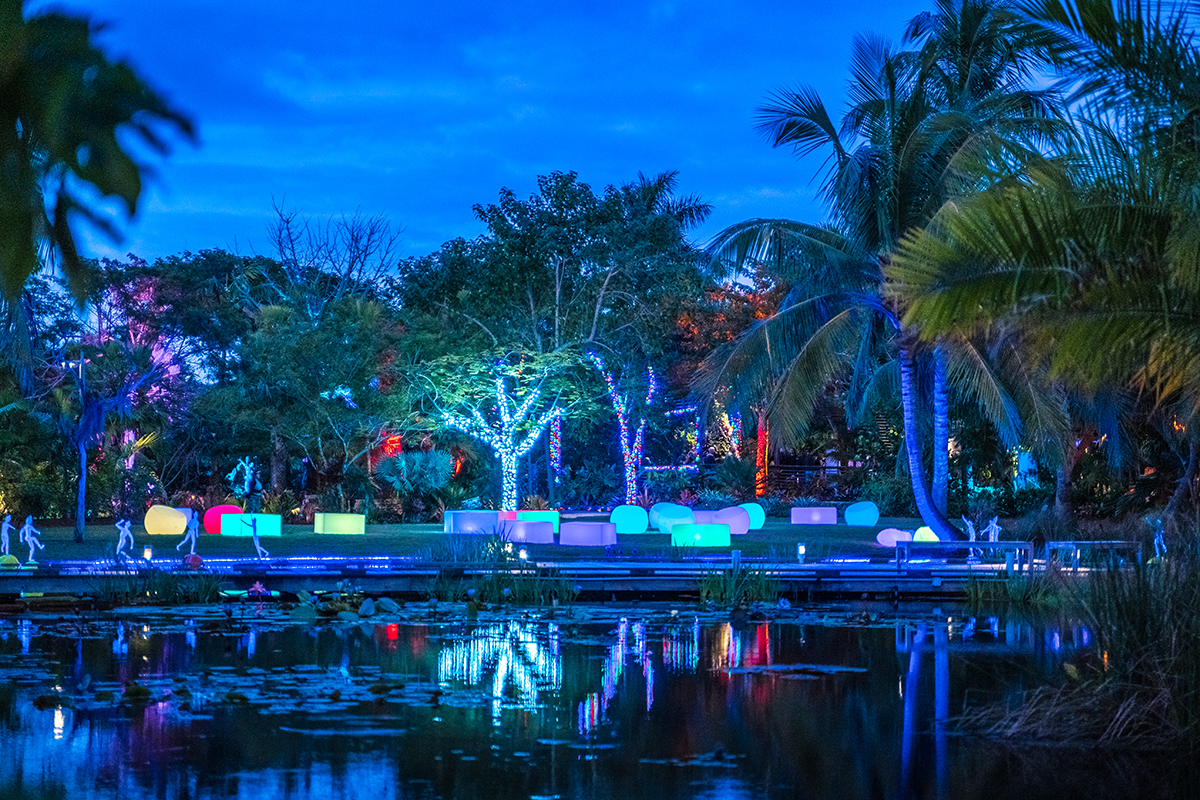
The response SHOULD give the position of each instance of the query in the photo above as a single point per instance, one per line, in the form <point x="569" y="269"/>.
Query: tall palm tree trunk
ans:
<point x="912" y="447"/>
<point x="81" y="494"/>
<point x="1185" y="483"/>
<point x="941" y="432"/>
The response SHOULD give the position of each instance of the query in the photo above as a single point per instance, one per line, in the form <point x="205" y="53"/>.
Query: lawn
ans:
<point x="777" y="539"/>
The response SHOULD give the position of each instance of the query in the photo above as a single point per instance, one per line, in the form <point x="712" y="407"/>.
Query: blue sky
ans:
<point x="419" y="110"/>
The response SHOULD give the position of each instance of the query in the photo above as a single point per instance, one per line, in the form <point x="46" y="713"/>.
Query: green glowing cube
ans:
<point x="693" y="535"/>
<point x="540" y="516"/>
<point x="239" y="524"/>
<point x="343" y="524"/>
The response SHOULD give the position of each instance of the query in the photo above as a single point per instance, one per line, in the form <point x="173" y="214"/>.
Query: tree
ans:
<point x="1094" y="258"/>
<point x="512" y="434"/>
<point x="919" y="133"/>
<point x="70" y="115"/>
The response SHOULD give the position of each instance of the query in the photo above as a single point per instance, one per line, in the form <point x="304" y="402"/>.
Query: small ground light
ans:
<point x="524" y="554"/>
<point x="800" y="551"/>
<point x="148" y="553"/>
<point x="508" y="548"/>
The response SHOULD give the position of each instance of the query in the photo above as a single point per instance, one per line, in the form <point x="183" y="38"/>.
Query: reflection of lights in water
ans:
<point x="994" y="626"/>
<point x="1055" y="640"/>
<point x="251" y="643"/>
<point x="726" y="651"/>
<point x="190" y="636"/>
<point x="515" y="656"/>
<point x="593" y="709"/>
<point x="60" y="722"/>
<point x="120" y="647"/>
<point x="25" y="631"/>
<point x="968" y="631"/>
<point x="680" y="653"/>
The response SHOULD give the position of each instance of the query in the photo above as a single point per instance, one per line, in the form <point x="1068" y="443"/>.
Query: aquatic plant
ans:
<point x="1035" y="590"/>
<point x="738" y="586"/>
<point x="157" y="587"/>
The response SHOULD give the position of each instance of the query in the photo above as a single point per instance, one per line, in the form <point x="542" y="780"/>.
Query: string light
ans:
<point x="631" y="448"/>
<point x="735" y="432"/>
<point x="556" y="449"/>
<point x="505" y="437"/>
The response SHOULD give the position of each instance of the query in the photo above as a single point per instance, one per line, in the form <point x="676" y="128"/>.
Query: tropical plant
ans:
<point x="1094" y="258"/>
<point x="924" y="128"/>
<point x="70" y="114"/>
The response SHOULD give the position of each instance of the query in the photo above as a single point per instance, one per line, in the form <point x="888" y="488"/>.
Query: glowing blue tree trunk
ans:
<point x="631" y="443"/>
<point x="505" y="437"/>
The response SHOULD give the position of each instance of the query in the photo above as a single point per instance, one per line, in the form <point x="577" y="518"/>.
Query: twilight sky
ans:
<point x="420" y="110"/>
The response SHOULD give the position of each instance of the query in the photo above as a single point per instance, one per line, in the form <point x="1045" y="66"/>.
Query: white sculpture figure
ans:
<point x="973" y="555"/>
<point x="193" y="528"/>
<point x="5" y="527"/>
<point x="993" y="530"/>
<point x="123" y="526"/>
<point x="29" y="536"/>
<point x="262" y="552"/>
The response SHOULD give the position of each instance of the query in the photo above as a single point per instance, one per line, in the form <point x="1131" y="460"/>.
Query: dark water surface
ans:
<point x="595" y="703"/>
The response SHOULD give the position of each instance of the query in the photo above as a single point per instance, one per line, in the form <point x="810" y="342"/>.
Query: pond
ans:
<point x="598" y="702"/>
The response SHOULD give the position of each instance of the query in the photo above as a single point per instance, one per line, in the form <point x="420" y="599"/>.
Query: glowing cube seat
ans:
<point x="690" y="534"/>
<point x="507" y="516"/>
<point x="343" y="524"/>
<point x="758" y="517"/>
<point x="587" y="534"/>
<point x="529" y="531"/>
<point x="736" y="517"/>
<point x="240" y="524"/>
<point x="540" y="516"/>
<point x="668" y="518"/>
<point x="473" y="522"/>
<point x="889" y="536"/>
<point x="630" y="519"/>
<point x="654" y="512"/>
<point x="212" y="517"/>
<point x="862" y="513"/>
<point x="165" y="521"/>
<point x="814" y="516"/>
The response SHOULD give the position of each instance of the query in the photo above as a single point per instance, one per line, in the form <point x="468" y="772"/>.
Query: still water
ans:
<point x="631" y="702"/>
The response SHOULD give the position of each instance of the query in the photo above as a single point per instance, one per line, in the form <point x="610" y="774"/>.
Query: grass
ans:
<point x="777" y="537"/>
<point x="738" y="587"/>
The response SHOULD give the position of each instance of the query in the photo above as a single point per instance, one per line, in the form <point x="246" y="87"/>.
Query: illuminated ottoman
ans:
<point x="668" y="518"/>
<point x="693" y="535"/>
<point x="925" y="534"/>
<point x="473" y="522"/>
<point x="736" y="517"/>
<point x="702" y="517"/>
<point x="342" y="524"/>
<point x="241" y="524"/>
<point x="889" y="536"/>
<point x="529" y="531"/>
<point x="212" y="517"/>
<point x="587" y="534"/>
<point x="758" y="517"/>
<point x="814" y="516"/>
<point x="655" y="510"/>
<point x="165" y="521"/>
<point x="865" y="513"/>
<point x="540" y="516"/>
<point x="630" y="519"/>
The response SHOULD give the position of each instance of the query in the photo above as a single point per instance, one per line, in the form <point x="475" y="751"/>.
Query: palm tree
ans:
<point x="915" y="137"/>
<point x="67" y="111"/>
<point x="1095" y="258"/>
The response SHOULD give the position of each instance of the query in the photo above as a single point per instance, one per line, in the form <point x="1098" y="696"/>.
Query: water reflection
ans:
<point x="522" y="655"/>
<point x="644" y="705"/>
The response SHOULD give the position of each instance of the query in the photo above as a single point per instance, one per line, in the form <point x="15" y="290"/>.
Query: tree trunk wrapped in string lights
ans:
<point x="511" y="437"/>
<point x="631" y="444"/>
